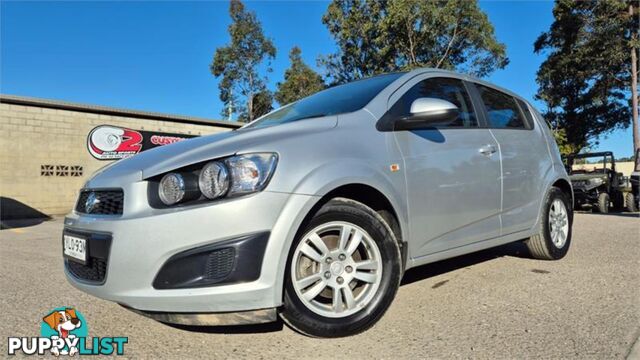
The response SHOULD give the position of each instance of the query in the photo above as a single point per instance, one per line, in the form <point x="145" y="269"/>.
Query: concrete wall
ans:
<point x="624" y="167"/>
<point x="36" y="136"/>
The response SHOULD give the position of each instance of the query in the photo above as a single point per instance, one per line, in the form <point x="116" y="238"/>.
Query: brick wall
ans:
<point x="33" y="136"/>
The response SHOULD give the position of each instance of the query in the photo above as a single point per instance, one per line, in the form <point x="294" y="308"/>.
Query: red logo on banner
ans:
<point x="110" y="142"/>
<point x="165" y="140"/>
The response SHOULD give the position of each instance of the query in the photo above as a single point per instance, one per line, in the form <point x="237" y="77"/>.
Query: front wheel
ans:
<point x="631" y="203"/>
<point x="603" y="203"/>
<point x="554" y="238"/>
<point x="343" y="271"/>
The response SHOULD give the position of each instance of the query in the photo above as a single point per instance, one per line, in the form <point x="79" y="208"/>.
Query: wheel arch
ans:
<point x="555" y="176"/>
<point x="369" y="196"/>
<point x="366" y="194"/>
<point x="565" y="186"/>
<point x="362" y="182"/>
<point x="363" y="192"/>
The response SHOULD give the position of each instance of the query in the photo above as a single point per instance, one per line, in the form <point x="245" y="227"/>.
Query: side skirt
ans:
<point x="467" y="249"/>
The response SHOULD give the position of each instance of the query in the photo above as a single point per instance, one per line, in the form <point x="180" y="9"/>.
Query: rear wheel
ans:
<point x="631" y="203"/>
<point x="603" y="203"/>
<point x="343" y="271"/>
<point x="554" y="238"/>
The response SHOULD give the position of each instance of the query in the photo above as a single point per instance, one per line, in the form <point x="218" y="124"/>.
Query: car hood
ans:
<point x="183" y="153"/>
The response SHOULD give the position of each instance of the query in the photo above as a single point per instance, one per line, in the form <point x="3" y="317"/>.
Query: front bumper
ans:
<point x="582" y="196"/>
<point x="143" y="242"/>
<point x="213" y="319"/>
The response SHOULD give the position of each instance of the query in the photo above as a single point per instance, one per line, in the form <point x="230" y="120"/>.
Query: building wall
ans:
<point x="624" y="167"/>
<point x="34" y="136"/>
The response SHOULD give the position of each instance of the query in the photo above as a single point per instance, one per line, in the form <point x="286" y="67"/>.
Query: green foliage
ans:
<point x="299" y="80"/>
<point x="237" y="63"/>
<point x="561" y="139"/>
<point x="585" y="79"/>
<point x="262" y="104"/>
<point x="377" y="36"/>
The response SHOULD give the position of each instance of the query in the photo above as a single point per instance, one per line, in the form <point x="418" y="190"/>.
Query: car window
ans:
<point x="448" y="89"/>
<point x="332" y="101"/>
<point x="502" y="110"/>
<point x="528" y="116"/>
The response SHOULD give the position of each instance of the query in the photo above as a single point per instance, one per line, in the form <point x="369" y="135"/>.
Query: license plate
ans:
<point x="75" y="248"/>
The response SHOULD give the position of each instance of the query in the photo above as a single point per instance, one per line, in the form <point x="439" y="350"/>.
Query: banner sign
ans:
<point x="107" y="142"/>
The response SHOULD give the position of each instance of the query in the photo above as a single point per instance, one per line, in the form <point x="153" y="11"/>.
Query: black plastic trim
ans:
<point x="78" y="208"/>
<point x="188" y="269"/>
<point x="98" y="247"/>
<point x="524" y="108"/>
<point x="478" y="105"/>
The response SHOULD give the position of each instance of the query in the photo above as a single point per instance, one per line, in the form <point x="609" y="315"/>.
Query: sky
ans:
<point x="155" y="56"/>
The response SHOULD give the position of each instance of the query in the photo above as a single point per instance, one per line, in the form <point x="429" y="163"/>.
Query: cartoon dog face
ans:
<point x="63" y="321"/>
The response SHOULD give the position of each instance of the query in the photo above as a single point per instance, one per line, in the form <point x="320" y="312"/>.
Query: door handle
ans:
<point x="487" y="150"/>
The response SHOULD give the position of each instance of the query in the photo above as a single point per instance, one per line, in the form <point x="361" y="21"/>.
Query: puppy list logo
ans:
<point x="64" y="331"/>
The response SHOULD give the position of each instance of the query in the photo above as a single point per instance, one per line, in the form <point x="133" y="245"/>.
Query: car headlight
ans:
<point x="176" y="187"/>
<point x="233" y="176"/>
<point x="596" y="181"/>
<point x="250" y="173"/>
<point x="214" y="180"/>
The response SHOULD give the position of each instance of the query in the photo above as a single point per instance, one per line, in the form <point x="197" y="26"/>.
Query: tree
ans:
<point x="262" y="104"/>
<point x="586" y="77"/>
<point x="237" y="63"/>
<point x="377" y="36"/>
<point x="299" y="80"/>
<point x="634" y="46"/>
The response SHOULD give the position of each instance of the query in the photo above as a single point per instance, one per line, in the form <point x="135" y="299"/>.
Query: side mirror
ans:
<point x="426" y="112"/>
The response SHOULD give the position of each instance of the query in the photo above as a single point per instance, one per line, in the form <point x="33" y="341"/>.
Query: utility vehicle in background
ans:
<point x="632" y="199"/>
<point x="597" y="184"/>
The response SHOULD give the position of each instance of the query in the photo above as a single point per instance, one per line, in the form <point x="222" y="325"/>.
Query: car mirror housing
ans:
<point x="427" y="112"/>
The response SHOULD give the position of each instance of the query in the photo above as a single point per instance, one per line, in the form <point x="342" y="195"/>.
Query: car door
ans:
<point x="452" y="171"/>
<point x="524" y="157"/>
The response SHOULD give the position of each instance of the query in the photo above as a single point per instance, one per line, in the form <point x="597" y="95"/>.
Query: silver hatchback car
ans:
<point x="315" y="210"/>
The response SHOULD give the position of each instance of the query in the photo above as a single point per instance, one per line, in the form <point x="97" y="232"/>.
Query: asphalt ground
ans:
<point x="495" y="304"/>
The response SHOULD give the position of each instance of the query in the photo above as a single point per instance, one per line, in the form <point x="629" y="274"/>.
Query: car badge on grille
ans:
<point x="91" y="202"/>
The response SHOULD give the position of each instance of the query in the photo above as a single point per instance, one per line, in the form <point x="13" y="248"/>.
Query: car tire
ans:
<point x="548" y="244"/>
<point x="631" y="202"/>
<point x="329" y="313"/>
<point x="603" y="203"/>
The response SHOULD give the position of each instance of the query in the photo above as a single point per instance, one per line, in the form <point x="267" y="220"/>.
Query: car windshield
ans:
<point x="335" y="100"/>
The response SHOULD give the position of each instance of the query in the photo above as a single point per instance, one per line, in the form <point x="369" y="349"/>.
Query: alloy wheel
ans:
<point x="336" y="269"/>
<point x="558" y="223"/>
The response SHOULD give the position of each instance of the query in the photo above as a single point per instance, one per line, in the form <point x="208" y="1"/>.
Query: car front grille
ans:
<point x="104" y="202"/>
<point x="94" y="271"/>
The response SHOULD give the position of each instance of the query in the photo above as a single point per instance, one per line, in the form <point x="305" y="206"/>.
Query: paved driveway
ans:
<point x="495" y="304"/>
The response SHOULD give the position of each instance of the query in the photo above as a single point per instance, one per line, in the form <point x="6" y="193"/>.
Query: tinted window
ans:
<point x="527" y="114"/>
<point x="336" y="100"/>
<point x="448" y="89"/>
<point x="502" y="109"/>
